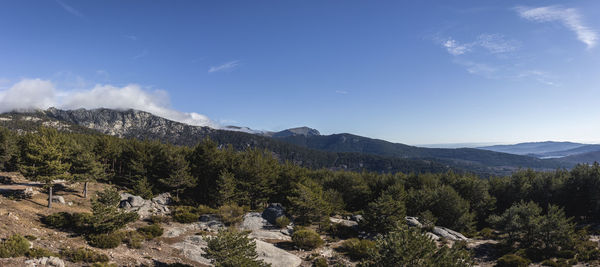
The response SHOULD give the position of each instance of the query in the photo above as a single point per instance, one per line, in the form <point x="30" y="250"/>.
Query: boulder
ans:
<point x="413" y="222"/>
<point x="125" y="196"/>
<point x="347" y="223"/>
<point x="275" y="256"/>
<point x="357" y="218"/>
<point x="272" y="212"/>
<point x="45" y="261"/>
<point x="254" y="221"/>
<point x="162" y="199"/>
<point x="192" y="247"/>
<point x="58" y="199"/>
<point x="136" y="201"/>
<point x="448" y="234"/>
<point x="124" y="204"/>
<point x="432" y="236"/>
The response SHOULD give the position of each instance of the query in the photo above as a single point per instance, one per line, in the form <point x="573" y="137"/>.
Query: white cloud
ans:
<point x="29" y="94"/>
<point x="227" y="66"/>
<point x="70" y="9"/>
<point x="492" y="43"/>
<point x="495" y="43"/>
<point x="455" y="48"/>
<point x="570" y="17"/>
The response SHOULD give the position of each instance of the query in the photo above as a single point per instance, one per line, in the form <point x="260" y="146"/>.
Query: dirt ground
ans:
<point x="23" y="217"/>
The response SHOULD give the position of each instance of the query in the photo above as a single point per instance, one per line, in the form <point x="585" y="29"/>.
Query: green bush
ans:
<point x="565" y="254"/>
<point x="486" y="233"/>
<point x="83" y="255"/>
<point x="203" y="209"/>
<point x="185" y="214"/>
<point x="151" y="231"/>
<point x="550" y="263"/>
<point x="133" y="239"/>
<point x="14" y="246"/>
<point x="157" y="219"/>
<point x="357" y="249"/>
<point x="35" y="253"/>
<point x="320" y="262"/>
<point x="231" y="214"/>
<point x="512" y="260"/>
<point x="59" y="220"/>
<point x="282" y="221"/>
<point x="111" y="240"/>
<point x="307" y="239"/>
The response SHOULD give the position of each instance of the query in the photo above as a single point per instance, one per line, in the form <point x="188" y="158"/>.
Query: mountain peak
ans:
<point x="298" y="131"/>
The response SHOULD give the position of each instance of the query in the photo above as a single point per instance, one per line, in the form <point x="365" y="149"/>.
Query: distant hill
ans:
<point x="304" y="146"/>
<point x="589" y="157"/>
<point x="570" y="152"/>
<point x="533" y="148"/>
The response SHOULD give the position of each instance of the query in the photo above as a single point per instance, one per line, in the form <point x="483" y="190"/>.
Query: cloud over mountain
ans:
<point x="29" y="94"/>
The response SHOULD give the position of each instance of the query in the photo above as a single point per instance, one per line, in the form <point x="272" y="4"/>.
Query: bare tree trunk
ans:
<point x="50" y="197"/>
<point x="85" y="189"/>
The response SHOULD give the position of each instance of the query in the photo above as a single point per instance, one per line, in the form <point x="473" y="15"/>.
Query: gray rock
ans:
<point x="136" y="201"/>
<point x="124" y="204"/>
<point x="357" y="218"/>
<point x="273" y="211"/>
<point x="192" y="248"/>
<point x="347" y="223"/>
<point x="254" y="221"/>
<point x="208" y="217"/>
<point x="162" y="199"/>
<point x="58" y="199"/>
<point x="275" y="256"/>
<point x="448" y="234"/>
<point x="125" y="196"/>
<point x="45" y="261"/>
<point x="413" y="222"/>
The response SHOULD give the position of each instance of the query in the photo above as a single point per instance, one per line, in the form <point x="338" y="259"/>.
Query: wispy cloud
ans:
<point x="537" y="75"/>
<point x="492" y="43"/>
<point x="70" y="9"/>
<point x="455" y="48"/>
<point x="131" y="37"/>
<point x="341" y="92"/>
<point x="570" y="17"/>
<point x="227" y="66"/>
<point x="141" y="54"/>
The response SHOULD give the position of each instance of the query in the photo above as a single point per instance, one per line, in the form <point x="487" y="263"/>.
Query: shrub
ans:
<point x="486" y="233"/>
<point x="133" y="239"/>
<point x="83" y="255"/>
<point x="31" y="237"/>
<point x="307" y="239"/>
<point x="512" y="260"/>
<point x="111" y="240"/>
<point x="157" y="219"/>
<point x="232" y="248"/>
<point x="60" y="220"/>
<point x="185" y="214"/>
<point x="282" y="221"/>
<point x="203" y="209"/>
<point x="340" y="230"/>
<point x="14" y="246"/>
<point x="565" y="254"/>
<point x="356" y="248"/>
<point x="550" y="263"/>
<point x="231" y="213"/>
<point x="151" y="231"/>
<point x="320" y="262"/>
<point x="35" y="253"/>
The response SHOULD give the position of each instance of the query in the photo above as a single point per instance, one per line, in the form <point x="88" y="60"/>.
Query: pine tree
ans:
<point x="179" y="174"/>
<point x="107" y="217"/>
<point x="387" y="211"/>
<point x="8" y="149"/>
<point x="308" y="204"/>
<point x="44" y="158"/>
<point x="231" y="248"/>
<point x="228" y="192"/>
<point x="86" y="168"/>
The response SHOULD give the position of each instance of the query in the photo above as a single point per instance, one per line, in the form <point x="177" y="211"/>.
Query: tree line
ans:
<point x="213" y="175"/>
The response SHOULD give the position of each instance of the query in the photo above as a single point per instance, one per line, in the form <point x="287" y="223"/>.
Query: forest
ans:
<point x="537" y="216"/>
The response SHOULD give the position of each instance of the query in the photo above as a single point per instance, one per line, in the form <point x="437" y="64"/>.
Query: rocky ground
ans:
<point x="180" y="243"/>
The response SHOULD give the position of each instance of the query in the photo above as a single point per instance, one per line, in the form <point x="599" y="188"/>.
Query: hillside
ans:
<point x="535" y="148"/>
<point x="143" y="125"/>
<point x="303" y="146"/>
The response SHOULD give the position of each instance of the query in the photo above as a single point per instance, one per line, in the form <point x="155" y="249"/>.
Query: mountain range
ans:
<point x="307" y="147"/>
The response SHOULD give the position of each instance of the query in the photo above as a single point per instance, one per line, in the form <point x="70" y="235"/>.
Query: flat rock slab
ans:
<point x="192" y="248"/>
<point x="275" y="256"/>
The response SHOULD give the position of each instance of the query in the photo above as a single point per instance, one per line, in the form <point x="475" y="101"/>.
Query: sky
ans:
<point x="414" y="72"/>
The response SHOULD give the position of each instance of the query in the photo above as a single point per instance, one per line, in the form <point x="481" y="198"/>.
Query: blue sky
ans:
<point x="416" y="72"/>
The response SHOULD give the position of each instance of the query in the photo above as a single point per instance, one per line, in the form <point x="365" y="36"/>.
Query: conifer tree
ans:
<point x="86" y="168"/>
<point x="231" y="248"/>
<point x="308" y="204"/>
<point x="44" y="158"/>
<point x="179" y="174"/>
